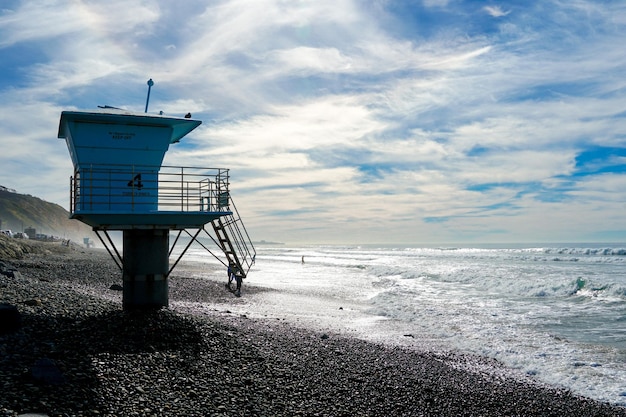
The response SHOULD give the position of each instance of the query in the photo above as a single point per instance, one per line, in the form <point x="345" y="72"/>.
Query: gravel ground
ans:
<point x="78" y="354"/>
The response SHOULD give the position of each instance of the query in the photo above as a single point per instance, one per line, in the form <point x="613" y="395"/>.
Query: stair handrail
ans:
<point x="241" y="239"/>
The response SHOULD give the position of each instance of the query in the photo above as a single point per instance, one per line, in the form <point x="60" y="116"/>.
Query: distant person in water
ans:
<point x="302" y="258"/>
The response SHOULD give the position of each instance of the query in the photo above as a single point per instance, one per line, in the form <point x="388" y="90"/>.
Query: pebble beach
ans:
<point x="77" y="353"/>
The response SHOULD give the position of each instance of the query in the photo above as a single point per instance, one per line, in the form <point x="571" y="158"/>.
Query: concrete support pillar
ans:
<point x="146" y="263"/>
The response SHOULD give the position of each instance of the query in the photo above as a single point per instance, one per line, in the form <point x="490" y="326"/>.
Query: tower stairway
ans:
<point x="233" y="239"/>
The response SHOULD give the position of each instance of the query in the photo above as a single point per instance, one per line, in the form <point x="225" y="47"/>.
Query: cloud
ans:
<point x="33" y="160"/>
<point x="495" y="11"/>
<point x="48" y="20"/>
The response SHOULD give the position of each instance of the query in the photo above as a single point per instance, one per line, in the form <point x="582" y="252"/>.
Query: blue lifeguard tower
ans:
<point x="119" y="184"/>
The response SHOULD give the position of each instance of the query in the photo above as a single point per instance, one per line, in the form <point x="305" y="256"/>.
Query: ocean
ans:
<point x="555" y="312"/>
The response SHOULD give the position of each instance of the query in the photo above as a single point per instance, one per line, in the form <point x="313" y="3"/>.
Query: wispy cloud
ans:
<point x="495" y="11"/>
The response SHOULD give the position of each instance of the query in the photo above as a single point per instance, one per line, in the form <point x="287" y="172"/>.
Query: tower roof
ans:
<point x="180" y="126"/>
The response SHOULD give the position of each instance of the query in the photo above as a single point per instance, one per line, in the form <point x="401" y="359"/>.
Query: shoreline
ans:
<point x="215" y="362"/>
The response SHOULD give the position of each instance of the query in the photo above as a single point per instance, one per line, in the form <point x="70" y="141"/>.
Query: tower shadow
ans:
<point x="49" y="365"/>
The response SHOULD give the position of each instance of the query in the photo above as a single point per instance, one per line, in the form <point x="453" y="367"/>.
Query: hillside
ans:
<point x="20" y="211"/>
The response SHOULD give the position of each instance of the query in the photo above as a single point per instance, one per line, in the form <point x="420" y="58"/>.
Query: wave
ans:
<point x="606" y="251"/>
<point x="509" y="284"/>
<point x="604" y="254"/>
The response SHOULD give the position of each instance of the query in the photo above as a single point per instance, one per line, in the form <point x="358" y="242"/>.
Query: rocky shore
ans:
<point x="76" y="353"/>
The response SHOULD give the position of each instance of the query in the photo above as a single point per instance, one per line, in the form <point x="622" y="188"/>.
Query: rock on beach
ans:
<point x="77" y="353"/>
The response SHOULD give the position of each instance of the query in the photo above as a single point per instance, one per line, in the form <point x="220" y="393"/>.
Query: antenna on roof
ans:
<point x="150" y="84"/>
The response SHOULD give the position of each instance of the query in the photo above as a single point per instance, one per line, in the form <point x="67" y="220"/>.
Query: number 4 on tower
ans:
<point x="136" y="182"/>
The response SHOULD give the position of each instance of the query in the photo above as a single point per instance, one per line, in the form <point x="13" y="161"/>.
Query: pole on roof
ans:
<point x="150" y="84"/>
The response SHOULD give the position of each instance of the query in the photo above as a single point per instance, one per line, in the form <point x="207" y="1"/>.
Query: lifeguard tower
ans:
<point x="119" y="184"/>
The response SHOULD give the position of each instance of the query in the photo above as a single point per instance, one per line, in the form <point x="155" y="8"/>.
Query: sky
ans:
<point x="345" y="121"/>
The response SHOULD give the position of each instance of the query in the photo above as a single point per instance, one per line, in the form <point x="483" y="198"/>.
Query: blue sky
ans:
<point x="416" y="121"/>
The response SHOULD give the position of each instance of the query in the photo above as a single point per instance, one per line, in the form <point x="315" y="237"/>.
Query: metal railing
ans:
<point x="140" y="188"/>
